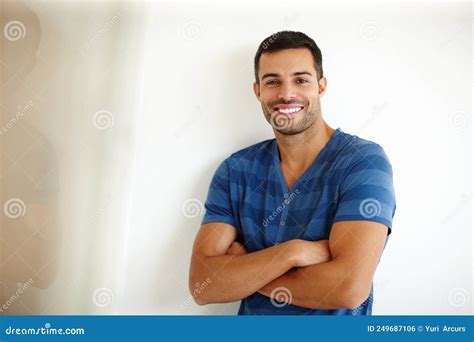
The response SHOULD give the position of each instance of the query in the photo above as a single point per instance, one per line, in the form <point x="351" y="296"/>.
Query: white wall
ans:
<point x="398" y="74"/>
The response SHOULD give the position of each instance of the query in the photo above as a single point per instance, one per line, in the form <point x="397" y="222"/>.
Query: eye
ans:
<point x="272" y="82"/>
<point x="301" y="81"/>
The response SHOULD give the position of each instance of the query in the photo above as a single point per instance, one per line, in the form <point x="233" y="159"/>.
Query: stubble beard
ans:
<point x="287" y="125"/>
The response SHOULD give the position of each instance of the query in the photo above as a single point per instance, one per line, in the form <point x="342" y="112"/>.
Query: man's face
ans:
<point x="289" y="91"/>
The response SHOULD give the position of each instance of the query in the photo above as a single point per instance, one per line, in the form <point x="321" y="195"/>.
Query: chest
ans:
<point x="269" y="216"/>
<point x="290" y="175"/>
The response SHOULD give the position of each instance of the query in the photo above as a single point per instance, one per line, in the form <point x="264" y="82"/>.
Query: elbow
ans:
<point x="199" y="291"/>
<point x="354" y="294"/>
<point x="200" y="301"/>
<point x="198" y="297"/>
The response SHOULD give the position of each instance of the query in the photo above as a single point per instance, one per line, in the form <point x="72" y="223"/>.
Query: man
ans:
<point x="295" y="224"/>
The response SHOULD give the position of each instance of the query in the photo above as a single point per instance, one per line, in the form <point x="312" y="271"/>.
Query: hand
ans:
<point x="236" y="248"/>
<point x="311" y="252"/>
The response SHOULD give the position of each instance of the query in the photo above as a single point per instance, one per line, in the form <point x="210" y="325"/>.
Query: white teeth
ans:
<point x="290" y="110"/>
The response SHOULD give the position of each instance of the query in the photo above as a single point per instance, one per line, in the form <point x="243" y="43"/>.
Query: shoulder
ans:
<point x="354" y="144"/>
<point x="254" y="151"/>
<point x="260" y="152"/>
<point x="356" y="152"/>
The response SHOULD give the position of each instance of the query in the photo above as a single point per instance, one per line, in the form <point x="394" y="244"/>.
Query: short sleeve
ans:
<point x="218" y="206"/>
<point x="367" y="191"/>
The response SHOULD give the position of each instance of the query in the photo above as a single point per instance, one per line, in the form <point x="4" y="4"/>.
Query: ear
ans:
<point x="256" y="90"/>
<point x="322" y="86"/>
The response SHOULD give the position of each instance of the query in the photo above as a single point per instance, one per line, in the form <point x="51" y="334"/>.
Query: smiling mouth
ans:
<point x="289" y="111"/>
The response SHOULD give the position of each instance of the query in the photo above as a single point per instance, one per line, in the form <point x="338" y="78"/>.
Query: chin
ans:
<point x="291" y="131"/>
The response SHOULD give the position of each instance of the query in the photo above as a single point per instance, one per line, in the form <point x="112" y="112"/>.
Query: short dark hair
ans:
<point x="289" y="40"/>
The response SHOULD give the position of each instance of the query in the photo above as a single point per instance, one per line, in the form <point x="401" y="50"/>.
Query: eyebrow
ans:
<point x="297" y="73"/>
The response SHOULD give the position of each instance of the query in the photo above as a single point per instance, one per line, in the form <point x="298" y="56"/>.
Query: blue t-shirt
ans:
<point x="350" y="179"/>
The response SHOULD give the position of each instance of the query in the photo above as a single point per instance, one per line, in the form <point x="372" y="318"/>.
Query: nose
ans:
<point x="286" y="92"/>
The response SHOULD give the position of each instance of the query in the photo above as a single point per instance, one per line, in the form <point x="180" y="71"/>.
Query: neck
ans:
<point x="299" y="151"/>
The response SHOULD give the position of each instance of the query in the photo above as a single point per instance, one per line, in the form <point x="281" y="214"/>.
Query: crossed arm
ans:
<point x="326" y="274"/>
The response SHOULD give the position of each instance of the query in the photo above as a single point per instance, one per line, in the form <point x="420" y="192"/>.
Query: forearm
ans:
<point x="234" y="277"/>
<point x="327" y="285"/>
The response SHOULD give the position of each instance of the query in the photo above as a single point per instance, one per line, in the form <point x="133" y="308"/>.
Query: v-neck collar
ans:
<point x="320" y="157"/>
